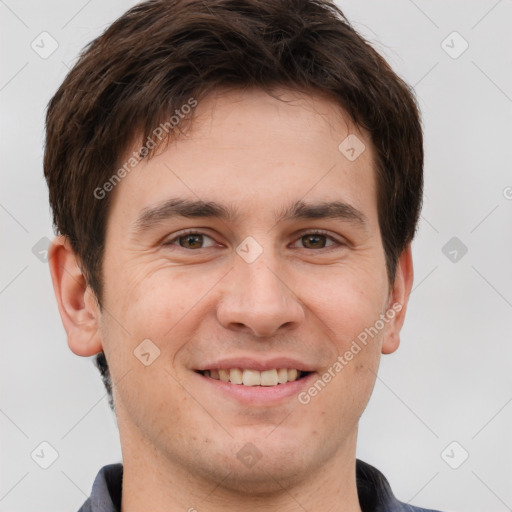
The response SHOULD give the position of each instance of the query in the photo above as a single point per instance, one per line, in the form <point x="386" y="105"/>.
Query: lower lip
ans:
<point x="259" y="395"/>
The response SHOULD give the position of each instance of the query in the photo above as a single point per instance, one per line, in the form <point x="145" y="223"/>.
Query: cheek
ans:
<point x="348" y="308"/>
<point x="346" y="300"/>
<point x="142" y="336"/>
<point x="156" y="303"/>
<point x="145" y="297"/>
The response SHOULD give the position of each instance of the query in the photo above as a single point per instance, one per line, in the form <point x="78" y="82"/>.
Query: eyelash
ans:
<point x="195" y="232"/>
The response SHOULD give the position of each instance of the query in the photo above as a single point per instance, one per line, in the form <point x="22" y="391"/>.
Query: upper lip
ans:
<point x="251" y="363"/>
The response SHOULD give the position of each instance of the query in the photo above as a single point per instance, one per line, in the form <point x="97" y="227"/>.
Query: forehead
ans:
<point x="250" y="150"/>
<point x="280" y="116"/>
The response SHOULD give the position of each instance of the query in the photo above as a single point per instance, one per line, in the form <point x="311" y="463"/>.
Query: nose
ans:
<point x="259" y="299"/>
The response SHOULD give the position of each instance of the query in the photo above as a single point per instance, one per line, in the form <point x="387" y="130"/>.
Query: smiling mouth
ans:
<point x="245" y="377"/>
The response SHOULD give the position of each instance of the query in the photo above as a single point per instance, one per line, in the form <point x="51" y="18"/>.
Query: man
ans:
<point x="235" y="186"/>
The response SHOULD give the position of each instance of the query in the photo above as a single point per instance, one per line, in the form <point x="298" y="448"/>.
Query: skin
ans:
<point x="179" y="438"/>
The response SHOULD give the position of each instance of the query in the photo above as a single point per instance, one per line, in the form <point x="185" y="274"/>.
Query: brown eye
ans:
<point x="191" y="240"/>
<point x="317" y="240"/>
<point x="314" y="241"/>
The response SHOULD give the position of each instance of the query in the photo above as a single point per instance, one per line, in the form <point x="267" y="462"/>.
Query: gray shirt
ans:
<point x="373" y="490"/>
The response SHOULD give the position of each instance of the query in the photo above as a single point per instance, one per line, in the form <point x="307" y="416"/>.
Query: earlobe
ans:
<point x="78" y="307"/>
<point x="399" y="298"/>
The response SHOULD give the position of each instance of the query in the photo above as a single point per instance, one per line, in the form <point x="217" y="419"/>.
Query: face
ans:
<point x="261" y="281"/>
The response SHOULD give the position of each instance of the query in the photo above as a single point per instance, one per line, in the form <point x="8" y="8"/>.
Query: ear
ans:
<point x="398" y="300"/>
<point x="78" y="307"/>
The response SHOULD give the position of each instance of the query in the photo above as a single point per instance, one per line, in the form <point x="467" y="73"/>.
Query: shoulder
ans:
<point x="106" y="490"/>
<point x="375" y="493"/>
<point x="404" y="507"/>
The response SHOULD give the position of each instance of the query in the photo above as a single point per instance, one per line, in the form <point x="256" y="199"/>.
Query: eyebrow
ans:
<point x="186" y="208"/>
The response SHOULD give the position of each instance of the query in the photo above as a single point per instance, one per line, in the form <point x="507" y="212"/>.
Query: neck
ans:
<point x="154" y="482"/>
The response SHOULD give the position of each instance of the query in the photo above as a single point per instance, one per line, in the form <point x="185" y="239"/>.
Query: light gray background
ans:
<point x="451" y="378"/>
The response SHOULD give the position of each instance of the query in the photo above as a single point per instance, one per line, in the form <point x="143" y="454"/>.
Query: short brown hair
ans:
<point x="161" y="53"/>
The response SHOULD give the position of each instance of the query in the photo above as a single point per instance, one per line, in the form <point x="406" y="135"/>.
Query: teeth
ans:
<point x="224" y="375"/>
<point x="251" y="378"/>
<point x="292" y="375"/>
<point x="282" y="375"/>
<point x="269" y="378"/>
<point x="254" y="377"/>
<point x="236" y="376"/>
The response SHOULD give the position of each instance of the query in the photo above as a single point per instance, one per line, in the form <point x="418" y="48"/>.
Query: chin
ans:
<point x="265" y="464"/>
<point x="269" y="475"/>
